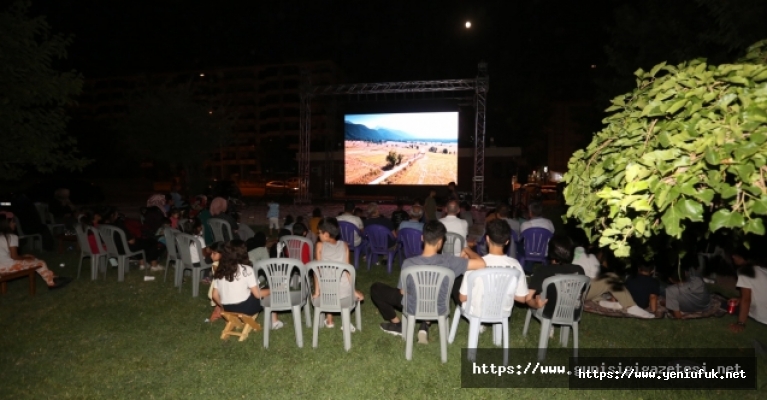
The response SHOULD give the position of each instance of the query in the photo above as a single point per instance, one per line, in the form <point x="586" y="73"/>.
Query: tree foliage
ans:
<point x="688" y="145"/>
<point x="34" y="96"/>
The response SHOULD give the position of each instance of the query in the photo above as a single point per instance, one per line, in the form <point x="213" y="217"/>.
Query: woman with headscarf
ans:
<point x="218" y="209"/>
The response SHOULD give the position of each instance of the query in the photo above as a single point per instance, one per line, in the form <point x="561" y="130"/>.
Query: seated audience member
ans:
<point x="236" y="285"/>
<point x="416" y="212"/>
<point x="289" y="221"/>
<point x="149" y="245"/>
<point x="388" y="299"/>
<point x="178" y="200"/>
<point x="348" y="216"/>
<point x="644" y="288"/>
<point x="752" y="283"/>
<point x="169" y="203"/>
<point x="589" y="262"/>
<point x="498" y="236"/>
<point x="560" y="257"/>
<point x="466" y="214"/>
<point x="609" y="281"/>
<point x="91" y="219"/>
<point x="245" y="231"/>
<point x="315" y="221"/>
<point x="686" y="294"/>
<point x="453" y="224"/>
<point x="257" y="250"/>
<point x="218" y="209"/>
<point x="359" y="213"/>
<point x="213" y="252"/>
<point x="535" y="210"/>
<point x="154" y="218"/>
<point x="300" y="229"/>
<point x="502" y="212"/>
<point x="11" y="261"/>
<point x="375" y="218"/>
<point x="398" y="215"/>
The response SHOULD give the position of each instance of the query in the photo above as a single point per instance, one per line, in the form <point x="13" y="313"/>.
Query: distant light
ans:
<point x="593" y="66"/>
<point x="202" y="75"/>
<point x="210" y="112"/>
<point x="468" y="24"/>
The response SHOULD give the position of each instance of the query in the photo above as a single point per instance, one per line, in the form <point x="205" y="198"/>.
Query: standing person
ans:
<point x="12" y="261"/>
<point x="430" y="207"/>
<point x="273" y="215"/>
<point x="454" y="224"/>
<point x="331" y="249"/>
<point x="752" y="283"/>
<point x="348" y="216"/>
<point x="388" y="299"/>
<point x="398" y="215"/>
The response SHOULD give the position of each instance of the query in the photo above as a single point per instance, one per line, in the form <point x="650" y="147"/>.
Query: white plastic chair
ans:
<point x="47" y="218"/>
<point x="86" y="251"/>
<point x="222" y="231"/>
<point x="571" y="294"/>
<point x="33" y="238"/>
<point x="281" y="298"/>
<point x="108" y="233"/>
<point x="329" y="275"/>
<point x="497" y="291"/>
<point x="183" y="244"/>
<point x="451" y="241"/>
<point x="172" y="250"/>
<point x="432" y="286"/>
<point x="294" y="243"/>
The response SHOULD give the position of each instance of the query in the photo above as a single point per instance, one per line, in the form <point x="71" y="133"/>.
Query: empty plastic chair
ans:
<point x="172" y="250"/>
<point x="431" y="286"/>
<point x="571" y="294"/>
<point x="348" y="232"/>
<point x="333" y="298"/>
<point x="379" y="238"/>
<point x="410" y="243"/>
<point x="490" y="299"/>
<point x="184" y="245"/>
<point x="536" y="244"/>
<point x="87" y="252"/>
<point x="111" y="235"/>
<point x="222" y="231"/>
<point x="281" y="298"/>
<point x="454" y="243"/>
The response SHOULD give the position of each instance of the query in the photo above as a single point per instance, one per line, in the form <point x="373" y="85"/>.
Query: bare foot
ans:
<point x="359" y="295"/>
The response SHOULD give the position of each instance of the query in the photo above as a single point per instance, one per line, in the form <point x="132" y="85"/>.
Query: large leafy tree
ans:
<point x="34" y="96"/>
<point x="686" y="149"/>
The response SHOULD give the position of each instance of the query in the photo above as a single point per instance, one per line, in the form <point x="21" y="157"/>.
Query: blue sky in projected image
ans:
<point x="434" y="125"/>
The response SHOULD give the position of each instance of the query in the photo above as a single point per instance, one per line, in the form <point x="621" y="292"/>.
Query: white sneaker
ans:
<point x="157" y="267"/>
<point x="329" y="325"/>
<point x="352" y="330"/>
<point x="638" y="312"/>
<point x="277" y="325"/>
<point x="612" y="305"/>
<point x="142" y="266"/>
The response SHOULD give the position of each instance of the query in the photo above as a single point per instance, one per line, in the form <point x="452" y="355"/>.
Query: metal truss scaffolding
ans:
<point x="475" y="89"/>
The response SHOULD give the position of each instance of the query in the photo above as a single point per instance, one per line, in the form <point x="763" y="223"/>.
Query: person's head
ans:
<point x="316" y="213"/>
<point x="109" y="214"/>
<point x="535" y="209"/>
<point x="349" y="207"/>
<point x="288" y="219"/>
<point x="7" y="223"/>
<point x="216" y="249"/>
<point x="299" y="229"/>
<point x="300" y="220"/>
<point x="416" y="212"/>
<point x="218" y="206"/>
<point x="400" y="205"/>
<point x="328" y="229"/>
<point x="434" y="233"/>
<point x="453" y="208"/>
<point x="498" y="232"/>
<point x="561" y="249"/>
<point x="284" y="232"/>
<point x="197" y="226"/>
<point x="451" y="186"/>
<point x="174" y="213"/>
<point x="432" y="193"/>
<point x="373" y="210"/>
<point x="235" y="253"/>
<point x="156" y="200"/>
<point x="645" y="268"/>
<point x="502" y="211"/>
<point x="358" y="212"/>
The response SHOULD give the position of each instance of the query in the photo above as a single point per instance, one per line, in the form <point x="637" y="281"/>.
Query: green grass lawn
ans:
<point x="136" y="339"/>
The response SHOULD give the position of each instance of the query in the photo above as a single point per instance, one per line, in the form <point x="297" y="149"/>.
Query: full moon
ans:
<point x="468" y="24"/>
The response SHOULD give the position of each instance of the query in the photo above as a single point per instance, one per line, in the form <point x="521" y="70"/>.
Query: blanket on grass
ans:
<point x="714" y="310"/>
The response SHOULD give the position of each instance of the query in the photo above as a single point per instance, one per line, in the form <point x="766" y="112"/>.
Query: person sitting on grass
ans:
<point x="329" y="248"/>
<point x="388" y="299"/>
<point x="609" y="281"/>
<point x="11" y="261"/>
<point x="644" y="288"/>
<point x="236" y="285"/>
<point x="686" y="294"/>
<point x="498" y="236"/>
<point x="752" y="283"/>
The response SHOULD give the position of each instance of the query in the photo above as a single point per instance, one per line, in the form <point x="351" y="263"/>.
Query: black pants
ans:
<point x="250" y="306"/>
<point x="389" y="299"/>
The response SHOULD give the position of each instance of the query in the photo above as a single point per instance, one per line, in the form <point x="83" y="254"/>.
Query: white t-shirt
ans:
<point x="538" y="223"/>
<point x="354" y="220"/>
<point x="589" y="262"/>
<point x="495" y="261"/>
<point x="758" y="286"/>
<point x="5" y="251"/>
<point x="456" y="225"/>
<point x="193" y="249"/>
<point x="238" y="290"/>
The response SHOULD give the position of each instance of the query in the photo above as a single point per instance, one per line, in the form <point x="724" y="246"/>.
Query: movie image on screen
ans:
<point x="401" y="148"/>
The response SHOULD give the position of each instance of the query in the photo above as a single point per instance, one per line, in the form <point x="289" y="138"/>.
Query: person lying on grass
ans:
<point x="236" y="286"/>
<point x="329" y="248"/>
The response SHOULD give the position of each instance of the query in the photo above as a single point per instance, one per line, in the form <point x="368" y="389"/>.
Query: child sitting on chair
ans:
<point x="300" y="229"/>
<point x="329" y="248"/>
<point x="236" y="285"/>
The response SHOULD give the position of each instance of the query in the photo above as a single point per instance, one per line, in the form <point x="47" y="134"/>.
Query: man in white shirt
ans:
<point x="455" y="224"/>
<point x="348" y="216"/>
<point x="536" y="219"/>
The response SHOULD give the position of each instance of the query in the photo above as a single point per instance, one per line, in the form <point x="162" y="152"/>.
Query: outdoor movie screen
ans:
<point x="401" y="149"/>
